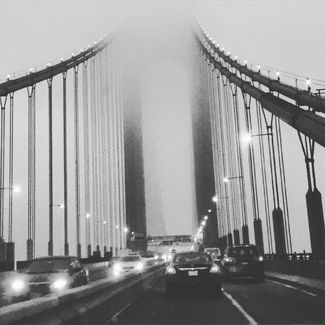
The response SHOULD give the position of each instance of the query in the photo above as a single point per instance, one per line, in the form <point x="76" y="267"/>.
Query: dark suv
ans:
<point x="243" y="261"/>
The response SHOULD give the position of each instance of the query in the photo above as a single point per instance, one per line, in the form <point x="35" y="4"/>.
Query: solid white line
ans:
<point x="291" y="287"/>
<point x="239" y="307"/>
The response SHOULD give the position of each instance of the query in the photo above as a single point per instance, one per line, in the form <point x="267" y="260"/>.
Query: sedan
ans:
<point x="127" y="264"/>
<point x="51" y="274"/>
<point x="192" y="270"/>
<point x="243" y="261"/>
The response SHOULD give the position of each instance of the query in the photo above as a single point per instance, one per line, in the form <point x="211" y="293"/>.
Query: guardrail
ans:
<point x="95" y="303"/>
<point x="296" y="256"/>
<point x="305" y="264"/>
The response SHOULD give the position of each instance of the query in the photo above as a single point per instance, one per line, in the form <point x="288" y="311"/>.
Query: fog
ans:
<point x="155" y="39"/>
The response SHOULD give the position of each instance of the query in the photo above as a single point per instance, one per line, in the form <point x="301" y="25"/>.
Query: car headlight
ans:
<point x="170" y="270"/>
<point x="259" y="258"/>
<point x="59" y="284"/>
<point x="117" y="269"/>
<point x="18" y="285"/>
<point x="139" y="266"/>
<point x="215" y="269"/>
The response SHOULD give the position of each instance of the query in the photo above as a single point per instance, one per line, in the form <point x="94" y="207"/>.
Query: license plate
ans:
<point x="244" y="263"/>
<point x="193" y="273"/>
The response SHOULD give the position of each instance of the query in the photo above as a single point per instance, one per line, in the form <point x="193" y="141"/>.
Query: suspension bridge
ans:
<point x="87" y="157"/>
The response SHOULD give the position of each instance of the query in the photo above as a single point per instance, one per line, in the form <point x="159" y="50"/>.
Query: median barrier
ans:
<point x="95" y="303"/>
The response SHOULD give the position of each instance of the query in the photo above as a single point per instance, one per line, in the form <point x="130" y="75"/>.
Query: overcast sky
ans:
<point x="279" y="35"/>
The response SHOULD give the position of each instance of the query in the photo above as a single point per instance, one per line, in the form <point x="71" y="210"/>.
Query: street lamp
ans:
<point x="226" y="179"/>
<point x="216" y="198"/>
<point x="246" y="138"/>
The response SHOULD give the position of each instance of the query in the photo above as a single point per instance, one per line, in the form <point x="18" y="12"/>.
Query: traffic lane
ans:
<point x="272" y="302"/>
<point x="190" y="308"/>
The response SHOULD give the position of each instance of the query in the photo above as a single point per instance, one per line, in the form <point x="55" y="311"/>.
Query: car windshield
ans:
<point x="243" y="251"/>
<point x="192" y="258"/>
<point x="130" y="258"/>
<point x="48" y="265"/>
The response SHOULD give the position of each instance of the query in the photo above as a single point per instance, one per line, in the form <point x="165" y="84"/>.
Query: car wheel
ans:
<point x="170" y="291"/>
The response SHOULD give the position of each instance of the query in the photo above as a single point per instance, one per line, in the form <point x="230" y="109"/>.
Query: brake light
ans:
<point x="259" y="258"/>
<point x="215" y="269"/>
<point x="230" y="260"/>
<point x="170" y="270"/>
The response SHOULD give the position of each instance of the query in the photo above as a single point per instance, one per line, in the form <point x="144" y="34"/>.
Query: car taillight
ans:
<point x="230" y="260"/>
<point x="215" y="269"/>
<point x="258" y="258"/>
<point x="170" y="270"/>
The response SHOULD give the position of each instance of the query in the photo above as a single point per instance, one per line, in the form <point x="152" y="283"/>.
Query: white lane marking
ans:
<point x="114" y="318"/>
<point x="289" y="286"/>
<point x="250" y="319"/>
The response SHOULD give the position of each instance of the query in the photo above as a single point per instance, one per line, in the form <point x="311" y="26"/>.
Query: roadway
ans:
<point x="242" y="302"/>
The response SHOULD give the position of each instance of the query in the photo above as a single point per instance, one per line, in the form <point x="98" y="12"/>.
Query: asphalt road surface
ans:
<point x="242" y="302"/>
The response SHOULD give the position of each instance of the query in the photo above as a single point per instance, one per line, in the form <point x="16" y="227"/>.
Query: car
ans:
<point x="45" y="275"/>
<point x="190" y="270"/>
<point x="243" y="261"/>
<point x="129" y="263"/>
<point x="215" y="254"/>
<point x="112" y="261"/>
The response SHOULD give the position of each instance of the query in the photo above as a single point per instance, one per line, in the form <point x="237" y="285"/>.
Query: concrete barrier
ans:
<point x="309" y="269"/>
<point x="95" y="303"/>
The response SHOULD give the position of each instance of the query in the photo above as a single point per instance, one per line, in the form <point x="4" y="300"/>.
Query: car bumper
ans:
<point x="243" y="270"/>
<point x="193" y="281"/>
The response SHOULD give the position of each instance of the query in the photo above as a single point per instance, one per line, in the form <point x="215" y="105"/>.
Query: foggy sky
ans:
<point x="282" y="35"/>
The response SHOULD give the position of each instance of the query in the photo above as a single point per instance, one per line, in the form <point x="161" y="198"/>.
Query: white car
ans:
<point x="129" y="263"/>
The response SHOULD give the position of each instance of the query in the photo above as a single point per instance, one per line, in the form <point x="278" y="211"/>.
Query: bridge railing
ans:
<point x="296" y="256"/>
<point x="297" y="264"/>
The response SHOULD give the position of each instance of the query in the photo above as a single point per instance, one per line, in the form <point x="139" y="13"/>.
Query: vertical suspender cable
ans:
<point x="65" y="172"/>
<point x="264" y="178"/>
<point x="120" y="157"/>
<point x="213" y="127"/>
<point x="11" y="162"/>
<point x="94" y="156"/>
<point x="111" y="157"/>
<point x="283" y="185"/>
<point x="107" y="151"/>
<point x="103" y="96"/>
<point x="31" y="173"/>
<point x="33" y="185"/>
<point x="50" y="244"/>
<point x="2" y="164"/>
<point x="76" y="148"/>
<point x="86" y="157"/>
<point x="98" y="149"/>
<point x="115" y="157"/>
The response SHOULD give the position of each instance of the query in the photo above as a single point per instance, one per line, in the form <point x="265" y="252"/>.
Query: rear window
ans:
<point x="243" y="251"/>
<point x="213" y="251"/>
<point x="192" y="258"/>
